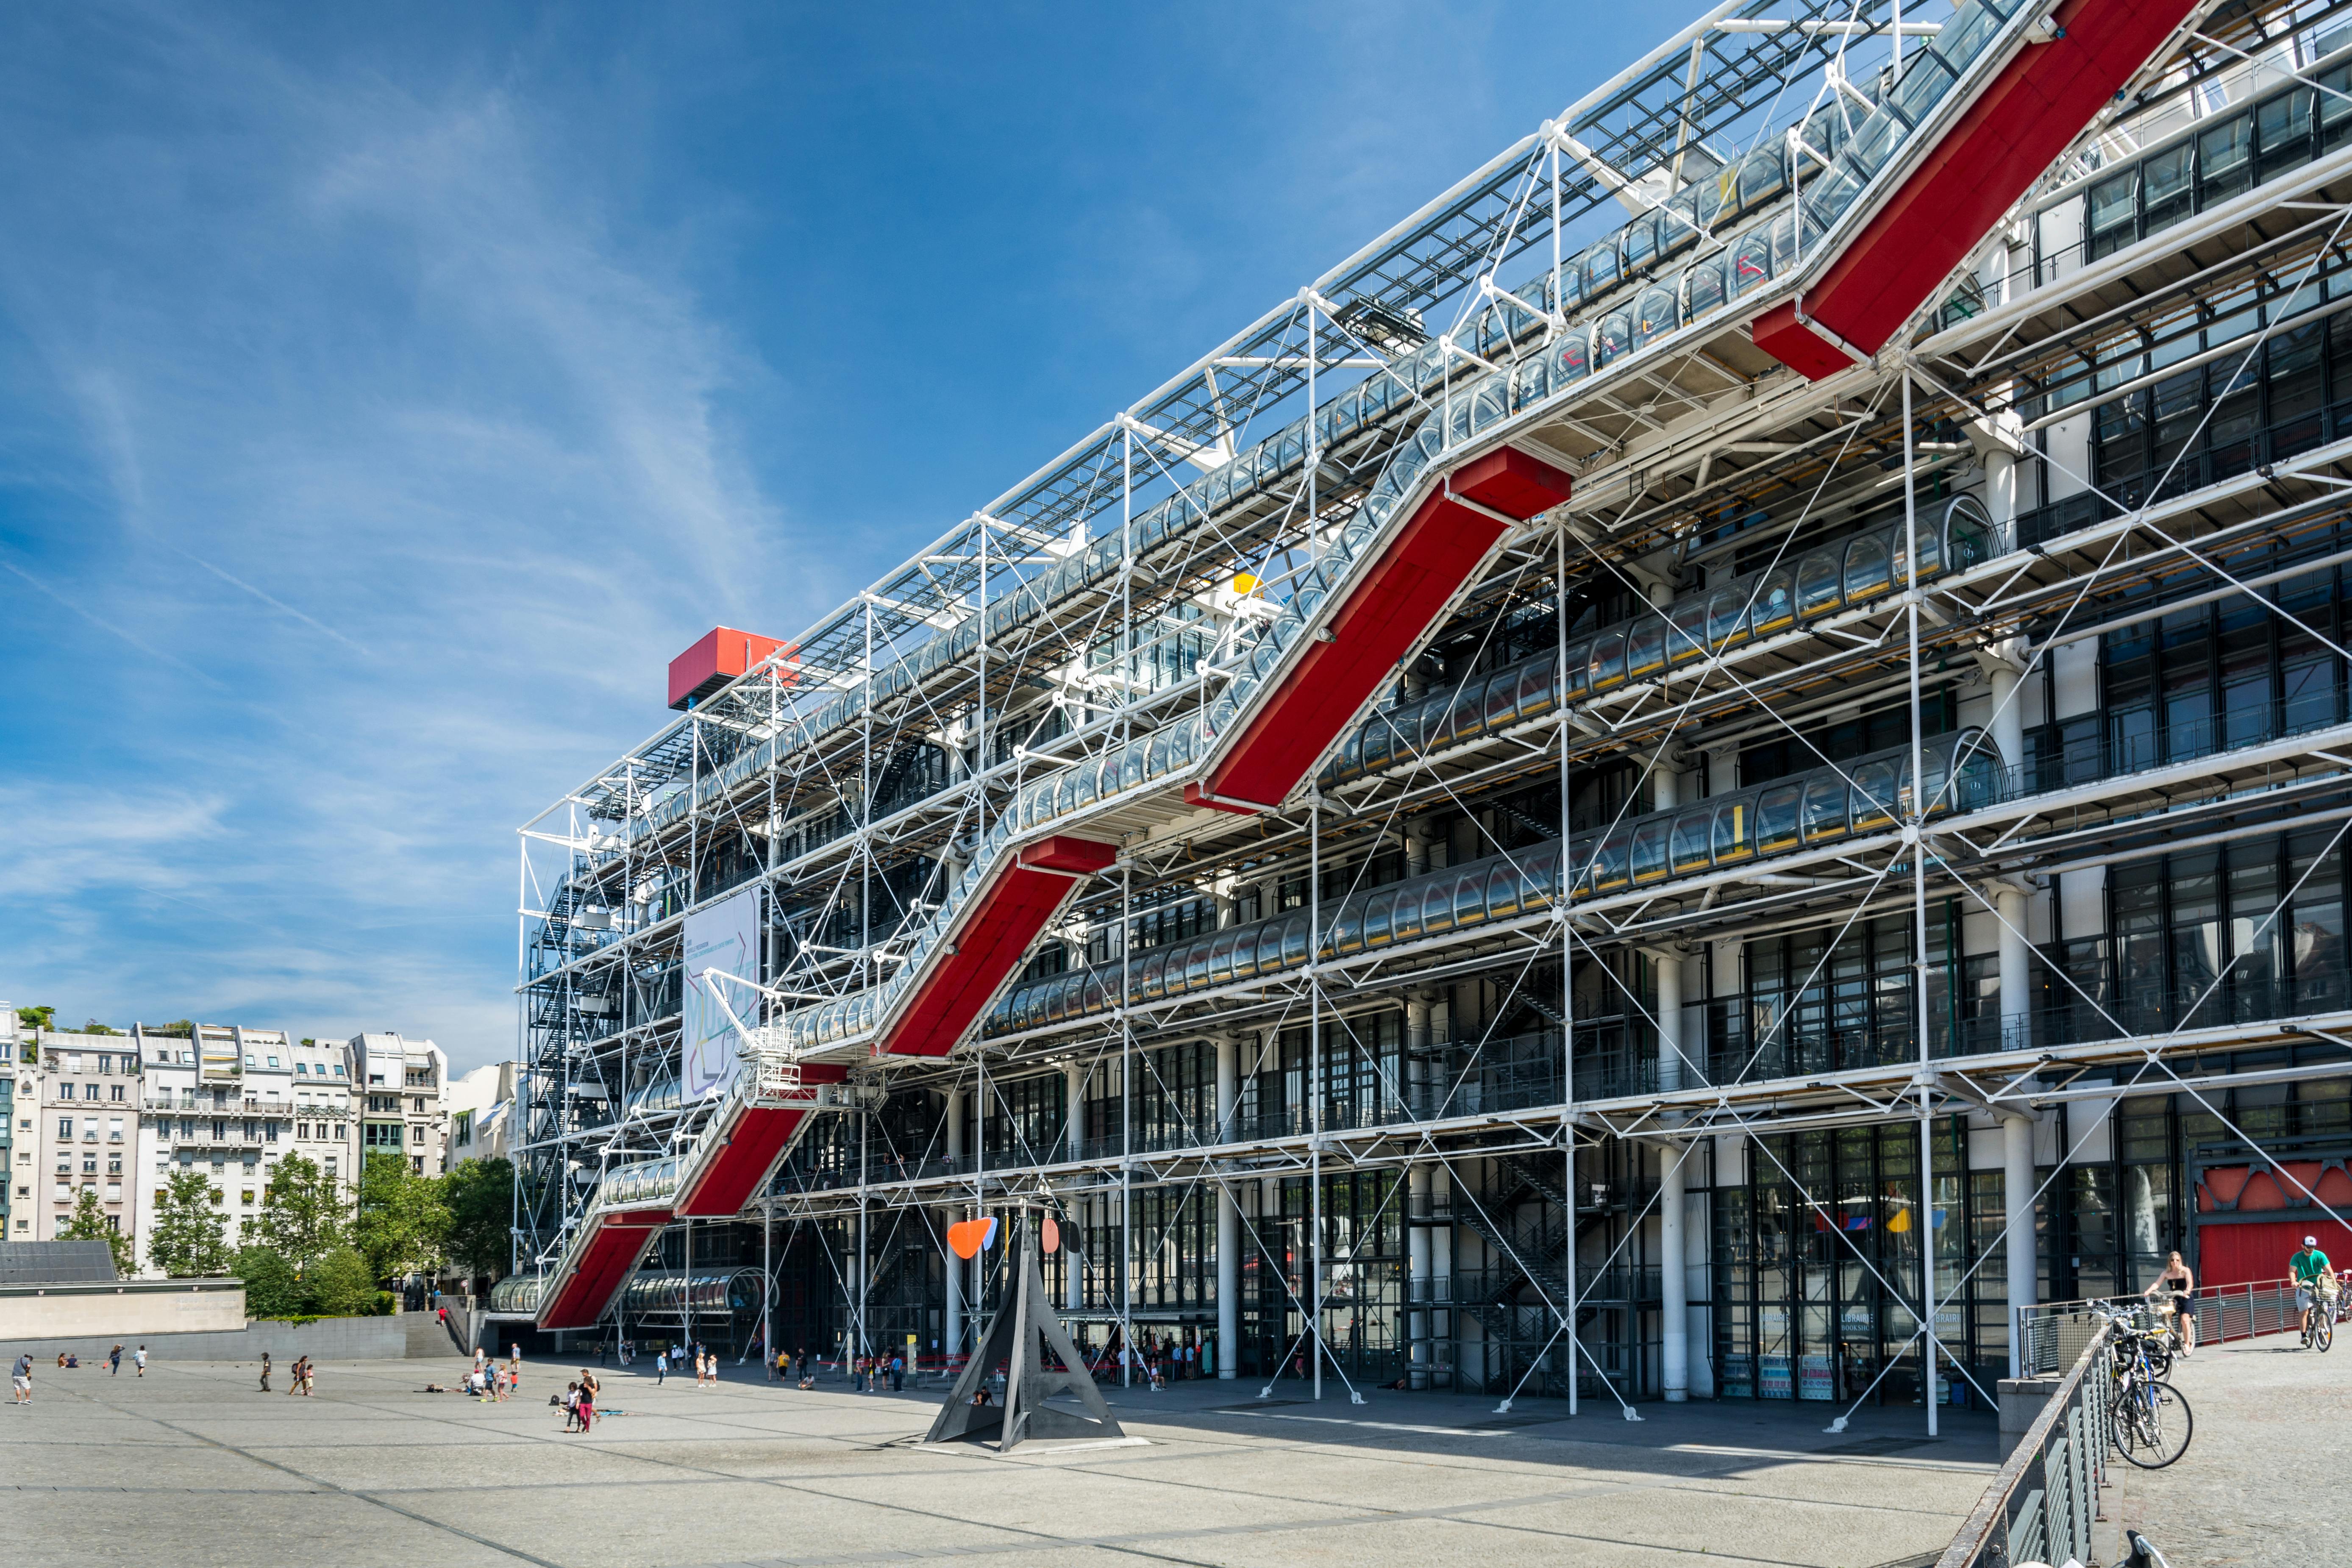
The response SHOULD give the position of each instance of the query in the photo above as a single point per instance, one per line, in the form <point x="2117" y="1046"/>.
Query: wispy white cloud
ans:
<point x="367" y="354"/>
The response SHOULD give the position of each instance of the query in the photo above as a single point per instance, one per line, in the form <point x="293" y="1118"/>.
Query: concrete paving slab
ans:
<point x="2262" y="1478"/>
<point x="372" y="1471"/>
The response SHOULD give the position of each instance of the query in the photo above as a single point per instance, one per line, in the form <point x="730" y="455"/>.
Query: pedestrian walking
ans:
<point x="588" y="1387"/>
<point x="514" y="1367"/>
<point x="661" y="1366"/>
<point x="114" y="1362"/>
<point x="572" y="1406"/>
<point x="21" y="1376"/>
<point x="139" y="1359"/>
<point x="265" y="1372"/>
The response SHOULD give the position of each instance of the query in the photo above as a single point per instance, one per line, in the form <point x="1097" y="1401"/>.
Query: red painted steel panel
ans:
<point x="718" y="658"/>
<point x="1795" y="344"/>
<point x="2257" y="1252"/>
<point x="2023" y="119"/>
<point x="1063" y="853"/>
<point x="605" y="1265"/>
<point x="1512" y="482"/>
<point x="1013" y="908"/>
<point x="753" y="1140"/>
<point x="1385" y="614"/>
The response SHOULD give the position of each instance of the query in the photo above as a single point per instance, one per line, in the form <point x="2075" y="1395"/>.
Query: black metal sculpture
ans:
<point x="1023" y="1335"/>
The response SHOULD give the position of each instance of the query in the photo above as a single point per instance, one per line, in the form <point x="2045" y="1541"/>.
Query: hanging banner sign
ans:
<point x="724" y="937"/>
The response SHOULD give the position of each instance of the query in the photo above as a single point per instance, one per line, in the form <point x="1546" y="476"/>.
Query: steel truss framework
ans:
<point x="1122" y="590"/>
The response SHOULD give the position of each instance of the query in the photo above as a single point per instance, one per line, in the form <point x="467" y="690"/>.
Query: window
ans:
<point x="118" y="1092"/>
<point x="302" y="1069"/>
<point x="416" y="1163"/>
<point x="273" y="1061"/>
<point x="73" y="1061"/>
<point x="114" y="1130"/>
<point x="246" y="1197"/>
<point x="339" y="1069"/>
<point x="65" y="1126"/>
<point x="106" y="1064"/>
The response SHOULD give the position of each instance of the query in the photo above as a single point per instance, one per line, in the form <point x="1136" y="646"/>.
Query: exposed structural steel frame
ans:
<point x="1346" y="577"/>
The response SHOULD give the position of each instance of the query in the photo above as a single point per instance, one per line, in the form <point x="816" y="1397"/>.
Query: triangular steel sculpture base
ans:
<point x="1015" y="1338"/>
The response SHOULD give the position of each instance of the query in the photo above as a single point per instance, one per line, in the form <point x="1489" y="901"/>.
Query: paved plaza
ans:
<point x="193" y="1465"/>
<point x="2262" y="1481"/>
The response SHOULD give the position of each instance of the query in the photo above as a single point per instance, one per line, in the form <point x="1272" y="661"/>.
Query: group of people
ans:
<point x="867" y="1374"/>
<point x="495" y="1382"/>
<point x="21" y="1375"/>
<point x="301" y="1378"/>
<point x="704" y="1360"/>
<point x="2314" y="1277"/>
<point x="580" y="1401"/>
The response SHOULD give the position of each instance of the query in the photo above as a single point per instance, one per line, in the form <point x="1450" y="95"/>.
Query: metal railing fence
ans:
<point x="2040" y="1507"/>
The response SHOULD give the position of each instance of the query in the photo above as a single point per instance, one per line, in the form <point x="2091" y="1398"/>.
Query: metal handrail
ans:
<point x="2040" y="1506"/>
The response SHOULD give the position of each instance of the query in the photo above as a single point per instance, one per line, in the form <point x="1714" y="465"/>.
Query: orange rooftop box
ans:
<point x="714" y="662"/>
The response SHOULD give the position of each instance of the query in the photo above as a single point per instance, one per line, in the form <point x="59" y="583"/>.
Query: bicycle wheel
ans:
<point x="2323" y="1331"/>
<point x="2153" y="1429"/>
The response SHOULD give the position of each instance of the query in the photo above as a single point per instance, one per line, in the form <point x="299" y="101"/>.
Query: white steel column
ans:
<point x="952" y="1341"/>
<point x="2009" y="899"/>
<point x="1229" y="1223"/>
<point x="1416" y="1241"/>
<point x="1673" y="1278"/>
<point x="2017" y="1199"/>
<point x="1074" y="1273"/>
<point x="1923" y="1207"/>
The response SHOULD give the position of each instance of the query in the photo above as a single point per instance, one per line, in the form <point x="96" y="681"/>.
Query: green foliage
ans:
<point x="271" y="1287"/>
<point x="38" y="1017"/>
<point x="341" y="1287"/>
<point x="95" y="1028"/>
<point x="185" y="1028"/>
<point x="479" y="1197"/>
<point x="401" y="1220"/>
<point x="187" y="1238"/>
<point x="303" y="1214"/>
<point x="87" y="1223"/>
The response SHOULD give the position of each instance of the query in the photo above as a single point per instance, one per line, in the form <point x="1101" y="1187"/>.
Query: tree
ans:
<point x="302" y="1214"/>
<point x="272" y="1290"/>
<point x="342" y="1286"/>
<point x="186" y="1239"/>
<point x="94" y="1027"/>
<point x="401" y="1219"/>
<point x="480" y="1196"/>
<point x="89" y="1223"/>
<point x="38" y="1017"/>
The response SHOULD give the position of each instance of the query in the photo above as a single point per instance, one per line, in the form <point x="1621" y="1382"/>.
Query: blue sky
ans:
<point x="386" y="393"/>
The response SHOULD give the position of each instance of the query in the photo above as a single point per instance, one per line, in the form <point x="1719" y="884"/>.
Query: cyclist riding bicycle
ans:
<point x="2308" y="1268"/>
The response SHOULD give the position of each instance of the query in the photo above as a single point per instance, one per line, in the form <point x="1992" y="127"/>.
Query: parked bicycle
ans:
<point x="2152" y="1421"/>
